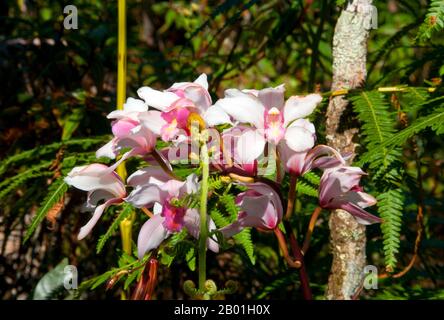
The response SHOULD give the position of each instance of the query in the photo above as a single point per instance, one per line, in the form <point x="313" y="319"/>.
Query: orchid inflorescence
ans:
<point x="238" y="137"/>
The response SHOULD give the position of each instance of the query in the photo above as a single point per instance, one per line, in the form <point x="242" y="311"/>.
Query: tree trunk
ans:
<point x="349" y="71"/>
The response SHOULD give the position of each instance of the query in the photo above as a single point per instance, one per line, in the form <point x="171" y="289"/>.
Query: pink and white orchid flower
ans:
<point x="101" y="184"/>
<point x="260" y="207"/>
<point x="128" y="133"/>
<point x="227" y="159"/>
<point x="339" y="189"/>
<point x="321" y="156"/>
<point x="127" y="119"/>
<point x="178" y="106"/>
<point x="275" y="120"/>
<point x="160" y="191"/>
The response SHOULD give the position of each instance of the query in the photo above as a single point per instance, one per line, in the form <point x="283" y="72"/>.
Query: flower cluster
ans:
<point x="243" y="130"/>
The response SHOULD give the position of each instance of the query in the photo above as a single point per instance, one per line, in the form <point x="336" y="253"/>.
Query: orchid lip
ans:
<point x="274" y="125"/>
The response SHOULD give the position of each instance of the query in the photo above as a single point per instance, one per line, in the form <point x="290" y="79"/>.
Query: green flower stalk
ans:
<point x="203" y="235"/>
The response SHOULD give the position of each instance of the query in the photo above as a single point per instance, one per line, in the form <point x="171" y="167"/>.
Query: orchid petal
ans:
<point x="272" y="97"/>
<point x="243" y="108"/>
<point x="299" y="139"/>
<point x="107" y="150"/>
<point x="153" y="121"/>
<point x="250" y="146"/>
<point x="359" y="198"/>
<point x="86" y="229"/>
<point x="146" y="196"/>
<point x="134" y="105"/>
<point x="215" y="115"/>
<point x="147" y="175"/>
<point x="202" y="81"/>
<point x="160" y="100"/>
<point x="232" y="229"/>
<point x="263" y="188"/>
<point x="96" y="176"/>
<point x="123" y="127"/>
<point x="200" y="96"/>
<point x="151" y="235"/>
<point x="361" y="216"/>
<point x="300" y="107"/>
<point x="192" y="223"/>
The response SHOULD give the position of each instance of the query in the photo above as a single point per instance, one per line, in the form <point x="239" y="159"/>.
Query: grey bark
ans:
<point x="347" y="237"/>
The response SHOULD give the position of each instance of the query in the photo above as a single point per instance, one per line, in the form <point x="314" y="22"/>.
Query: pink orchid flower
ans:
<point x="128" y="133"/>
<point x="227" y="159"/>
<point x="321" y="156"/>
<point x="160" y="191"/>
<point x="127" y="119"/>
<point x="260" y="207"/>
<point x="176" y="105"/>
<point x="274" y="120"/>
<point x="339" y="189"/>
<point x="101" y="184"/>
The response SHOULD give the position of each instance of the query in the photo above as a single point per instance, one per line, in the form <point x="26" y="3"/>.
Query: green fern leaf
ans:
<point x="219" y="219"/>
<point x="244" y="240"/>
<point x="12" y="183"/>
<point x="124" y="213"/>
<point x="305" y="188"/>
<point x="378" y="124"/>
<point x="434" y="120"/>
<point x="312" y="177"/>
<point x="390" y="206"/>
<point x="434" y="20"/>
<point x="55" y="192"/>
<point x="229" y="202"/>
<point x="83" y="143"/>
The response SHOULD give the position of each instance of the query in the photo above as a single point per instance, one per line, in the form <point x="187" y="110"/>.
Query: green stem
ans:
<point x="203" y="235"/>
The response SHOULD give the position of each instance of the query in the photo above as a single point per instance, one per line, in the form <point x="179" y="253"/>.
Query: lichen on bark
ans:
<point x="347" y="237"/>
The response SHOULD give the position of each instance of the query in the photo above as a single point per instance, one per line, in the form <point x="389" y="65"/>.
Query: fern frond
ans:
<point x="434" y="20"/>
<point x="305" y="188"/>
<point x="125" y="212"/>
<point x="12" y="183"/>
<point x="312" y="177"/>
<point x="215" y="183"/>
<point x="84" y="143"/>
<point x="378" y="126"/>
<point x="414" y="99"/>
<point x="390" y="206"/>
<point x="229" y="202"/>
<point x="55" y="192"/>
<point x="435" y="120"/>
<point x="243" y="239"/>
<point x="219" y="219"/>
<point x="378" y="123"/>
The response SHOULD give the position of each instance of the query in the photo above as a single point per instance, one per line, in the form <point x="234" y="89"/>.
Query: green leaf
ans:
<point x="243" y="239"/>
<point x="191" y="259"/>
<point x="434" y="120"/>
<point x="71" y="123"/>
<point x="304" y="188"/>
<point x="10" y="184"/>
<point x="55" y="192"/>
<point x="433" y="22"/>
<point x="391" y="206"/>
